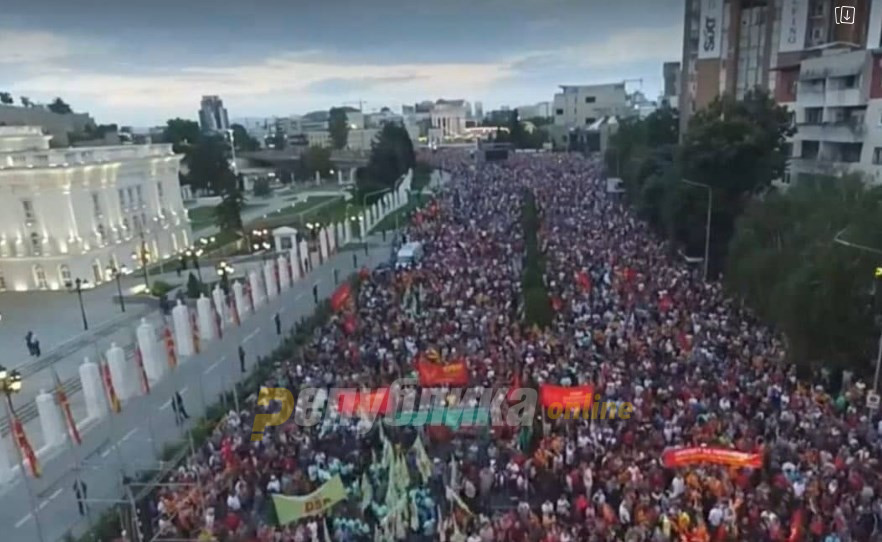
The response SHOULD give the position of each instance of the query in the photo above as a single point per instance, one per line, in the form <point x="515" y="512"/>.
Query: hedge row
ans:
<point x="537" y="305"/>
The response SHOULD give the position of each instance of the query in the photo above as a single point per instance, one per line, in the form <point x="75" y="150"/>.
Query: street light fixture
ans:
<point x="193" y="254"/>
<point x="77" y="286"/>
<point x="117" y="273"/>
<point x="225" y="271"/>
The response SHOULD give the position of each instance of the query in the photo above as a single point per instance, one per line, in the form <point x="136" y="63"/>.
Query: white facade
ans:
<point x="839" y="127"/>
<point x="361" y="139"/>
<point x="583" y="105"/>
<point x="318" y="138"/>
<point x="76" y="212"/>
<point x="449" y="116"/>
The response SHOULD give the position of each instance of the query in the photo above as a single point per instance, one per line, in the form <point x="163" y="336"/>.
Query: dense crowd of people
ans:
<point x="630" y="319"/>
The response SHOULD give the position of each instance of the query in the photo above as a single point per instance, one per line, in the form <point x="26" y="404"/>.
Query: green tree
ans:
<point x="59" y="106"/>
<point x="181" y="133"/>
<point x="391" y="156"/>
<point x="737" y="148"/>
<point x="315" y="159"/>
<point x="208" y="165"/>
<point x="338" y="125"/>
<point x="6" y="98"/>
<point x="243" y="140"/>
<point x="25" y="101"/>
<point x="228" y="214"/>
<point x="784" y="263"/>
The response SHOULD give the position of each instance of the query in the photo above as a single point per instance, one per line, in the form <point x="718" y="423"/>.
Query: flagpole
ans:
<point x="78" y="465"/>
<point x="21" y="468"/>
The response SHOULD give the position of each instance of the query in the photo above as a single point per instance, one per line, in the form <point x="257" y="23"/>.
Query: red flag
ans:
<point x="350" y="324"/>
<point x="234" y="310"/>
<point x="556" y="303"/>
<point x="194" y="327"/>
<point x="139" y="362"/>
<point x="665" y="303"/>
<point x="24" y="446"/>
<point x="515" y="385"/>
<point x="566" y="397"/>
<point x="218" y="321"/>
<point x="170" y="348"/>
<point x="341" y="296"/>
<point x="679" y="457"/>
<point x="61" y="397"/>
<point x="584" y="282"/>
<point x="796" y="526"/>
<point x="112" y="399"/>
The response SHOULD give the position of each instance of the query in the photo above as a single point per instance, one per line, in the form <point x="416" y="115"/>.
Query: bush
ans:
<point x="262" y="188"/>
<point x="160" y="288"/>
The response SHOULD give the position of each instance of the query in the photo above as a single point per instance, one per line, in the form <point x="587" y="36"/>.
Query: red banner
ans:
<point x="139" y="362"/>
<point x="24" y="446"/>
<point x="451" y="374"/>
<point x="350" y="324"/>
<point x="351" y="403"/>
<point x="170" y="348"/>
<point x="679" y="457"/>
<point x="568" y="397"/>
<point x="340" y="296"/>
<point x="112" y="399"/>
<point x="61" y="397"/>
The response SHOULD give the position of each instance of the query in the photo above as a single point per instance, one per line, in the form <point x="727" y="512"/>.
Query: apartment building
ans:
<point x="579" y="109"/>
<point x="838" y="110"/>
<point x="733" y="46"/>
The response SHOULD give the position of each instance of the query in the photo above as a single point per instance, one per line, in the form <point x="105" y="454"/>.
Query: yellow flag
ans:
<point x="367" y="492"/>
<point x="290" y="509"/>
<point x="424" y="464"/>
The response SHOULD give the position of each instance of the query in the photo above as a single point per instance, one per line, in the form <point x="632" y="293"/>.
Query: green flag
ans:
<point x="424" y="464"/>
<point x="290" y="509"/>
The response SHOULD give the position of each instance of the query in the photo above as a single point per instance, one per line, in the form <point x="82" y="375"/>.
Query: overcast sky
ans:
<point x="141" y="62"/>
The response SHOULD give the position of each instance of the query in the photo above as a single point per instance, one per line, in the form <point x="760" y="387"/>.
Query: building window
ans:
<point x="558" y="112"/>
<point x="40" y="277"/>
<point x="102" y="233"/>
<point x="64" y="274"/>
<point x="122" y="198"/>
<point x="29" y="214"/>
<point x="96" y="205"/>
<point x="139" y="195"/>
<point x="590" y="99"/>
<point x="877" y="156"/>
<point x="36" y="244"/>
<point x="125" y="223"/>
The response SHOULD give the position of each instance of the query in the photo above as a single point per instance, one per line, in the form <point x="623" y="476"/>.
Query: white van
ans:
<point x="409" y="254"/>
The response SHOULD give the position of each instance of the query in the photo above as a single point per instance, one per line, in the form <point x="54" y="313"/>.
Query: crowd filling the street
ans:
<point x="631" y="322"/>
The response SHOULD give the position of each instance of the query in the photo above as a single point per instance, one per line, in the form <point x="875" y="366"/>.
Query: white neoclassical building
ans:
<point x="80" y="212"/>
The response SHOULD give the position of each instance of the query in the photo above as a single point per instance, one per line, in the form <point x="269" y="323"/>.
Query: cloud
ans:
<point x="342" y="85"/>
<point x="22" y="47"/>
<point x="620" y="49"/>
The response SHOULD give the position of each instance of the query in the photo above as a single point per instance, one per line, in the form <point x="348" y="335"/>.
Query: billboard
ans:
<point x="710" y="29"/>
<point x="794" y="14"/>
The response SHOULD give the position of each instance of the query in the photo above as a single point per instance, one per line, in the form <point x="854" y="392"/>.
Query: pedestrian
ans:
<point x="278" y="320"/>
<point x="315" y="293"/>
<point x="178" y="407"/>
<point x="29" y="340"/>
<point x="81" y="492"/>
<point x="241" y="358"/>
<point x="36" y="343"/>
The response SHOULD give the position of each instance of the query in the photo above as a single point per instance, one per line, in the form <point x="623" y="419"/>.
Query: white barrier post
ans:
<point x="295" y="265"/>
<point x="93" y="389"/>
<point x="124" y="381"/>
<point x="284" y="277"/>
<point x="220" y="305"/>
<point x="5" y="463"/>
<point x="206" y="319"/>
<point x="242" y="307"/>
<point x="323" y="243"/>
<point x="183" y="333"/>
<point x="50" y="420"/>
<point x="269" y="278"/>
<point x="154" y="365"/>
<point x="256" y="289"/>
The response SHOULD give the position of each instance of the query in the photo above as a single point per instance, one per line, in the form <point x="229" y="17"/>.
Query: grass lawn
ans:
<point x="201" y="217"/>
<point x="303" y="206"/>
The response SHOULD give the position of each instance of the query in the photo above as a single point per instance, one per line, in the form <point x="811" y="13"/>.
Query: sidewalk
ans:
<point x="131" y="441"/>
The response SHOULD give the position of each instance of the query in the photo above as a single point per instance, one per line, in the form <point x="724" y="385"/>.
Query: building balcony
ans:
<point x="810" y="98"/>
<point x="844" y="97"/>
<point x="838" y="132"/>
<point x="834" y="167"/>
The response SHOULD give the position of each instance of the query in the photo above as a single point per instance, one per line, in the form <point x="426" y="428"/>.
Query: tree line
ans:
<point x="789" y="254"/>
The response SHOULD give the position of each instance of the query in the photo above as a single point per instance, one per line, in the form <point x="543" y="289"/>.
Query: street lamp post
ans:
<point x="117" y="274"/>
<point x="707" y="230"/>
<point x="10" y="384"/>
<point x="225" y="271"/>
<point x="863" y="248"/>
<point x="77" y="287"/>
<point x="193" y="254"/>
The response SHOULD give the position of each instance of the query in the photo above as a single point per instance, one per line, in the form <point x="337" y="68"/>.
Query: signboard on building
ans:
<point x="710" y="29"/>
<point x="794" y="15"/>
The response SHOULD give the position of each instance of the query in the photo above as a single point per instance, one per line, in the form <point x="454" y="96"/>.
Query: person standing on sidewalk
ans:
<point x="81" y="492"/>
<point x="278" y="320"/>
<point x="241" y="358"/>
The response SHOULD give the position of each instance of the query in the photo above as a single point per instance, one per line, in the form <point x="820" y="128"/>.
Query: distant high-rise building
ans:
<point x="733" y="46"/>
<point x="213" y="115"/>
<point x="671" y="91"/>
<point x="479" y="110"/>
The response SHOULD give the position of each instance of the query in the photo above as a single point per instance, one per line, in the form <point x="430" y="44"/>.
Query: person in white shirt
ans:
<point x="715" y="516"/>
<point x="233" y="502"/>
